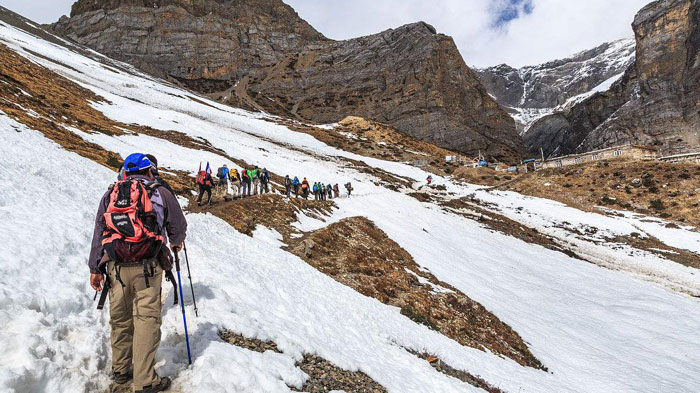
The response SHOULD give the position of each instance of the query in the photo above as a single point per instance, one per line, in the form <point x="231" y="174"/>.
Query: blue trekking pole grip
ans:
<point x="182" y="305"/>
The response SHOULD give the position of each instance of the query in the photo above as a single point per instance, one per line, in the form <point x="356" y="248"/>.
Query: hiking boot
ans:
<point x="121" y="378"/>
<point x="159" y="387"/>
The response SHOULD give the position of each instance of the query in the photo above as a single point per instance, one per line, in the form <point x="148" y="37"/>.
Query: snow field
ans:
<point x="595" y="329"/>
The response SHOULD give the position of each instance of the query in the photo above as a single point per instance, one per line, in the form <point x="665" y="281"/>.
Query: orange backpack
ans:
<point x="132" y="233"/>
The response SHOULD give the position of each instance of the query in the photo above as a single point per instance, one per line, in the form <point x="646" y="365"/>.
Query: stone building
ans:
<point x="626" y="152"/>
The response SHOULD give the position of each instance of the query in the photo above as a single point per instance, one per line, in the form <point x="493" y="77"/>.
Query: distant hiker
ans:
<point x="264" y="181"/>
<point x="245" y="181"/>
<point x="296" y="184"/>
<point x="329" y="191"/>
<point x="222" y="186"/>
<point x="205" y="183"/>
<point x="235" y="181"/>
<point x="315" y="191"/>
<point x="429" y="179"/>
<point x="287" y="186"/>
<point x="131" y="268"/>
<point x="255" y="176"/>
<point x="348" y="187"/>
<point x="305" y="188"/>
<point x="222" y="174"/>
<point x="336" y="191"/>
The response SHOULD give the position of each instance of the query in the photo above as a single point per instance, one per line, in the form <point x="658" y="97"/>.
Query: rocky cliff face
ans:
<point x="215" y="40"/>
<point x="409" y="77"/>
<point x="654" y="103"/>
<point x="259" y="54"/>
<point x="532" y="92"/>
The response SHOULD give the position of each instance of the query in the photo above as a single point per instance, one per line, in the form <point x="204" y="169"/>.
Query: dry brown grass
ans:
<point x="612" y="184"/>
<point x="358" y="254"/>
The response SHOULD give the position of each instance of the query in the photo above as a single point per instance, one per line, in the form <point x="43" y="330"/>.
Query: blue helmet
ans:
<point x="136" y="162"/>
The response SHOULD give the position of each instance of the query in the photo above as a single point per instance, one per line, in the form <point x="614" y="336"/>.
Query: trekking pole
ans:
<point x="182" y="305"/>
<point x="189" y="276"/>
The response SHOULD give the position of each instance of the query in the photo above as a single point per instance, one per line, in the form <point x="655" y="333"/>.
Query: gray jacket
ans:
<point x="170" y="217"/>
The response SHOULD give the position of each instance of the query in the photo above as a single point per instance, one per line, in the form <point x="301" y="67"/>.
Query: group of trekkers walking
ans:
<point x="231" y="183"/>
<point x="253" y="181"/>
<point x="320" y="191"/>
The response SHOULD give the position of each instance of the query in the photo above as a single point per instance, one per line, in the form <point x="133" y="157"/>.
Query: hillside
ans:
<point x="401" y="287"/>
<point x="260" y="55"/>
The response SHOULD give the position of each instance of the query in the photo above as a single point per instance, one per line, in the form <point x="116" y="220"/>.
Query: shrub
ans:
<point x="606" y="200"/>
<point x="656" y="204"/>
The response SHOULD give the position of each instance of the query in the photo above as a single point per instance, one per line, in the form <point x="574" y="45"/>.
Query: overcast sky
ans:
<point x="487" y="32"/>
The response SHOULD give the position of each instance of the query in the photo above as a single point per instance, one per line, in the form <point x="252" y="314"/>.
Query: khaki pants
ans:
<point x="135" y="318"/>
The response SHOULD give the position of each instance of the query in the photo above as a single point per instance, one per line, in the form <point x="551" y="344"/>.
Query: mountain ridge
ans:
<point x="265" y="57"/>
<point x="655" y="103"/>
<point x="531" y="92"/>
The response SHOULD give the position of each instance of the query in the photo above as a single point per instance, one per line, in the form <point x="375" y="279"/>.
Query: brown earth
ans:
<point x="356" y="253"/>
<point x="463" y="376"/>
<point x="323" y="375"/>
<point x="653" y="188"/>
<point x="269" y="210"/>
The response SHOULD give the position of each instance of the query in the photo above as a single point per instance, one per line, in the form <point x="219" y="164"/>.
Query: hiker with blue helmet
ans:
<point x="136" y="220"/>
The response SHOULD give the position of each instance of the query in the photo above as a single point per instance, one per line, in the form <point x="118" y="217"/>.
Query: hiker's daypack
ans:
<point x="220" y="173"/>
<point x="233" y="174"/>
<point x="134" y="230"/>
<point x="202" y="179"/>
<point x="132" y="233"/>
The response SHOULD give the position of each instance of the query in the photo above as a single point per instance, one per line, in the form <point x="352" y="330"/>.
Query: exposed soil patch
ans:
<point x="659" y="189"/>
<point x="655" y="246"/>
<point x="470" y="208"/>
<point x="463" y="376"/>
<point x="44" y="101"/>
<point x="356" y="253"/>
<point x="324" y="376"/>
<point x="270" y="210"/>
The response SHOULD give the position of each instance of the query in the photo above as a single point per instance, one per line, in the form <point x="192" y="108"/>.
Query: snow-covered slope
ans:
<point x="626" y="326"/>
<point x="532" y="92"/>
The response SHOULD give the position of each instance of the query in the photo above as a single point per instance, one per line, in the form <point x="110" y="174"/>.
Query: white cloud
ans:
<point x="554" y="29"/>
<point x="40" y="11"/>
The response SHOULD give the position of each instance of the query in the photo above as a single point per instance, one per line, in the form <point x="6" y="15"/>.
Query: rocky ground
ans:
<point x="659" y="189"/>
<point x="463" y="376"/>
<point x="324" y="376"/>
